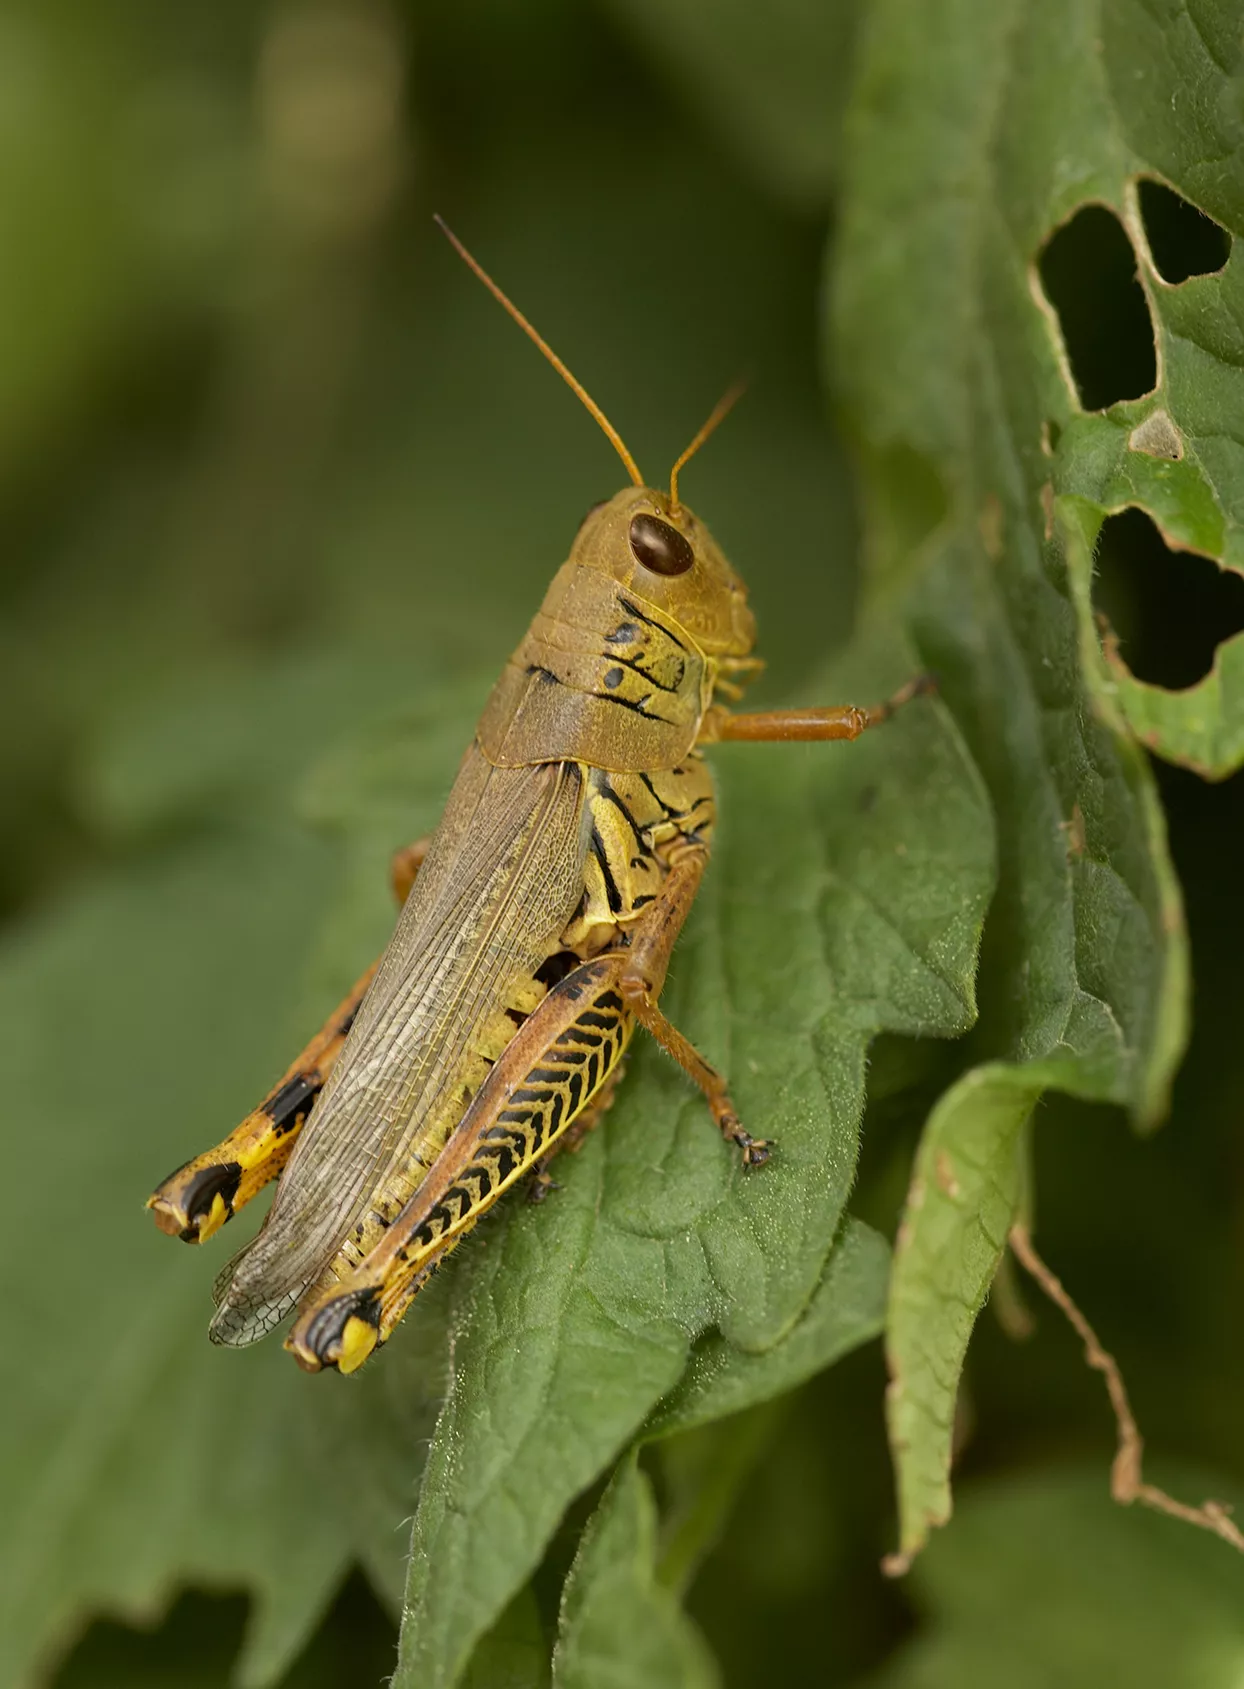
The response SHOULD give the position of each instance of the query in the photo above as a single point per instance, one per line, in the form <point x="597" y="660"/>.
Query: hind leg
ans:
<point x="197" y="1200"/>
<point x="640" y="982"/>
<point x="573" y="1137"/>
<point x="555" y="1067"/>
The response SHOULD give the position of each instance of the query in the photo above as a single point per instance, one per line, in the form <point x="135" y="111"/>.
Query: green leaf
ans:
<point x="619" y="1628"/>
<point x="846" y="1309"/>
<point x="964" y="1195"/>
<point x="134" y="1456"/>
<point x="976" y="132"/>
<point x="714" y="1426"/>
<point x="1095" y="97"/>
<point x="572" y="1323"/>
<point x="1044" y="1580"/>
<point x="514" y="1654"/>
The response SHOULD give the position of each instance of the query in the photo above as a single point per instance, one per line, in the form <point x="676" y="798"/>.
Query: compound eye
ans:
<point x="660" y="547"/>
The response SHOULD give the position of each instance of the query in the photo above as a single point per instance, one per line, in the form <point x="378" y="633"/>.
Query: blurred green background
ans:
<point x="256" y="419"/>
<point x="254" y="406"/>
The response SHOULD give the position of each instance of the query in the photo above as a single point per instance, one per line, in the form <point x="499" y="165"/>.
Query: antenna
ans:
<point x="632" y="468"/>
<point x="718" y="414"/>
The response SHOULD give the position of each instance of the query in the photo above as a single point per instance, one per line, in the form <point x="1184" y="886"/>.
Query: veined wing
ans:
<point x="500" y="883"/>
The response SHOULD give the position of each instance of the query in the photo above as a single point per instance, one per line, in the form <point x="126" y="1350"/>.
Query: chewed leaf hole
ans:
<point x="1088" y="274"/>
<point x="1183" y="240"/>
<point x="1169" y="610"/>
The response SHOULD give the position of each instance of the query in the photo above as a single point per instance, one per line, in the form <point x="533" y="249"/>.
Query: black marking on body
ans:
<point x="579" y="1035"/>
<point x="327" y="1327"/>
<point x="676" y="817"/>
<point x="656" y="796"/>
<point x="511" y="1142"/>
<point x="634" y="610"/>
<point x="591" y="1017"/>
<point x="612" y="894"/>
<point x="554" y="968"/>
<point x="347" y="1021"/>
<point x="460" y="1195"/>
<point x="292" y="1103"/>
<point x="639" y="707"/>
<point x="204" y="1187"/>
<point x="678" y="667"/>
<point x="605" y="787"/>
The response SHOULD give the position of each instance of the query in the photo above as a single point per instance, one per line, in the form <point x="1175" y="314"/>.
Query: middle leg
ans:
<point x="843" y="721"/>
<point x="652" y="941"/>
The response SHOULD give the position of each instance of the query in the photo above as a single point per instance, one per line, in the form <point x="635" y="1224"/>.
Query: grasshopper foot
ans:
<point x="756" y="1151"/>
<point x="341" y="1332"/>
<point x="195" y="1201"/>
<point x="540" y="1185"/>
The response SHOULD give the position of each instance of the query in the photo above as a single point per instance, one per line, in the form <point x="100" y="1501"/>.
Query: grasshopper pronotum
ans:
<point x="536" y="928"/>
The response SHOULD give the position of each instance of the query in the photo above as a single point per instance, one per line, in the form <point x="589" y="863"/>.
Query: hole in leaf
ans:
<point x="1183" y="240"/>
<point x="1170" y="610"/>
<point x="1088" y="272"/>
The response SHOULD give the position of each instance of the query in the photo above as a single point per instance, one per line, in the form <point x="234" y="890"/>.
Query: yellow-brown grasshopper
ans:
<point x="535" y="933"/>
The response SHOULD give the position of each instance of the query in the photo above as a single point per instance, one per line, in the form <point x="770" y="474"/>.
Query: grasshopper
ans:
<point x="535" y="933"/>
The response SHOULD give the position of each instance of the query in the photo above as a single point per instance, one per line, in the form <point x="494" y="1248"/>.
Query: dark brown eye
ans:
<point x="659" y="547"/>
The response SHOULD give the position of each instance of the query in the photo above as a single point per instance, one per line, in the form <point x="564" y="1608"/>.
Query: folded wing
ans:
<point x="500" y="883"/>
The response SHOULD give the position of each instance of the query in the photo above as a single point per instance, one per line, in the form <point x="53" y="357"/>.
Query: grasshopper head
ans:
<point x="646" y="540"/>
<point x="665" y="555"/>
